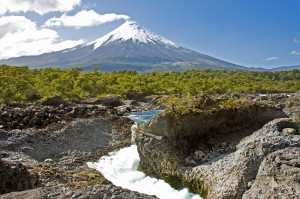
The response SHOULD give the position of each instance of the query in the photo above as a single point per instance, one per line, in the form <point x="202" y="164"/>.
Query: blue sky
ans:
<point x="256" y="33"/>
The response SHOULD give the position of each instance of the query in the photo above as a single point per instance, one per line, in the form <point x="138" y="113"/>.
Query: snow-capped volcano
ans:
<point x="131" y="30"/>
<point x="128" y="47"/>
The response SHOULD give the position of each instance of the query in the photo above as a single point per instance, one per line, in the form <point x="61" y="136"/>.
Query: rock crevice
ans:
<point x="49" y="161"/>
<point x="218" y="153"/>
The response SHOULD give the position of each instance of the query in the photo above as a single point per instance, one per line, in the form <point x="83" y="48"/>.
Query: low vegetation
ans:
<point x="20" y="84"/>
<point x="186" y="104"/>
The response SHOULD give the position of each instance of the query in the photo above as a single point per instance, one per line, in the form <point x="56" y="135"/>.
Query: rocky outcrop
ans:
<point x="39" y="116"/>
<point x="195" y="124"/>
<point x="278" y="176"/>
<point x="91" y="192"/>
<point x="216" y="153"/>
<point x="60" y="151"/>
<point x="53" y="101"/>
<point x="111" y="100"/>
<point x="82" y="136"/>
<point x="57" y="111"/>
<point x="53" y="156"/>
<point x="229" y="177"/>
<point x="15" y="177"/>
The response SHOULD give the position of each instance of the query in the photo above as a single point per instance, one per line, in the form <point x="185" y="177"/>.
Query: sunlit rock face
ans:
<point x="121" y="168"/>
<point x="215" y="153"/>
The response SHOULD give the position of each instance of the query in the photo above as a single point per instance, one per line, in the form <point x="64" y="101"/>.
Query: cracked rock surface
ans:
<point x="248" y="152"/>
<point x="49" y="160"/>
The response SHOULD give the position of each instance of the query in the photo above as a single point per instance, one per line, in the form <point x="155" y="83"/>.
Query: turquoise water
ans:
<point x="142" y="117"/>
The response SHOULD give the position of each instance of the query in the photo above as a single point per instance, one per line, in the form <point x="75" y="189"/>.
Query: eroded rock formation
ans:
<point x="218" y="153"/>
<point x="49" y="160"/>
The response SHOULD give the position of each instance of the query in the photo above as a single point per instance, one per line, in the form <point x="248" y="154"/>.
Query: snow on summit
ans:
<point x="131" y="30"/>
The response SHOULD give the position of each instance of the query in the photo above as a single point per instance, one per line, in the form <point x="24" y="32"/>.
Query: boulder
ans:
<point x="130" y="103"/>
<point x="16" y="177"/>
<point x="289" y="131"/>
<point x="48" y="161"/>
<point x="134" y="95"/>
<point x="111" y="100"/>
<point x="278" y="175"/>
<point x="215" y="153"/>
<point x="173" y="125"/>
<point x="53" y="101"/>
<point x="230" y="175"/>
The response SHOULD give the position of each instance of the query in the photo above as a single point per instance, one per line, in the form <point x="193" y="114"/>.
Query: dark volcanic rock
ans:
<point x="111" y="101"/>
<point x="38" y="116"/>
<point x="134" y="95"/>
<point x="91" y="192"/>
<point x="54" y="158"/>
<point x="53" y="101"/>
<point x="16" y="177"/>
<point x="82" y="137"/>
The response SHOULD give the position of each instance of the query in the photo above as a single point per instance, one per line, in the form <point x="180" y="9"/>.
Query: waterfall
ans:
<point x="120" y="167"/>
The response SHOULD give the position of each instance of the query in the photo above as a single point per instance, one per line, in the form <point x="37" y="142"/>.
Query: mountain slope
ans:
<point x="286" y="68"/>
<point x="130" y="46"/>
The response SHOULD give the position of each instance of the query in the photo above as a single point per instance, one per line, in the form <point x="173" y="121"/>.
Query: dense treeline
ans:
<point x="20" y="84"/>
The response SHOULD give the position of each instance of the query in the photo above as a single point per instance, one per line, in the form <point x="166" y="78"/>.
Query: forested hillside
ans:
<point x="20" y="84"/>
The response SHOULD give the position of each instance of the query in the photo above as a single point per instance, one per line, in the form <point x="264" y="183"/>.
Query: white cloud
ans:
<point x="296" y="40"/>
<point x="271" y="58"/>
<point x="84" y="18"/>
<point x="20" y="36"/>
<point x="295" y="52"/>
<point x="38" y="6"/>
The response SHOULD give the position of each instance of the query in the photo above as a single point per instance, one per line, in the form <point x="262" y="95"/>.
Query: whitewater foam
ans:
<point x="120" y="167"/>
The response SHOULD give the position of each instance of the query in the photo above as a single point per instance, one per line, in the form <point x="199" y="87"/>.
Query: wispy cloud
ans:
<point x="295" y="52"/>
<point x="271" y="58"/>
<point x="20" y="36"/>
<point x="39" y="6"/>
<point x="296" y="40"/>
<point x="84" y="18"/>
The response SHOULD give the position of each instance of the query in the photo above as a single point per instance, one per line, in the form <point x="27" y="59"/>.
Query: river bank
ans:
<point x="121" y="167"/>
<point x="44" y="148"/>
<point x="225" y="148"/>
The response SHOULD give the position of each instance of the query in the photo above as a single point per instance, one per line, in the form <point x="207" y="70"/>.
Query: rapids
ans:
<point x="120" y="167"/>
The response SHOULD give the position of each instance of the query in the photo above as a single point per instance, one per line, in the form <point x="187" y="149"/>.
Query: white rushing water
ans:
<point x="120" y="168"/>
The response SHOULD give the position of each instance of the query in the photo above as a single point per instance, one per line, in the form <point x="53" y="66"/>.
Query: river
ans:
<point x="120" y="167"/>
